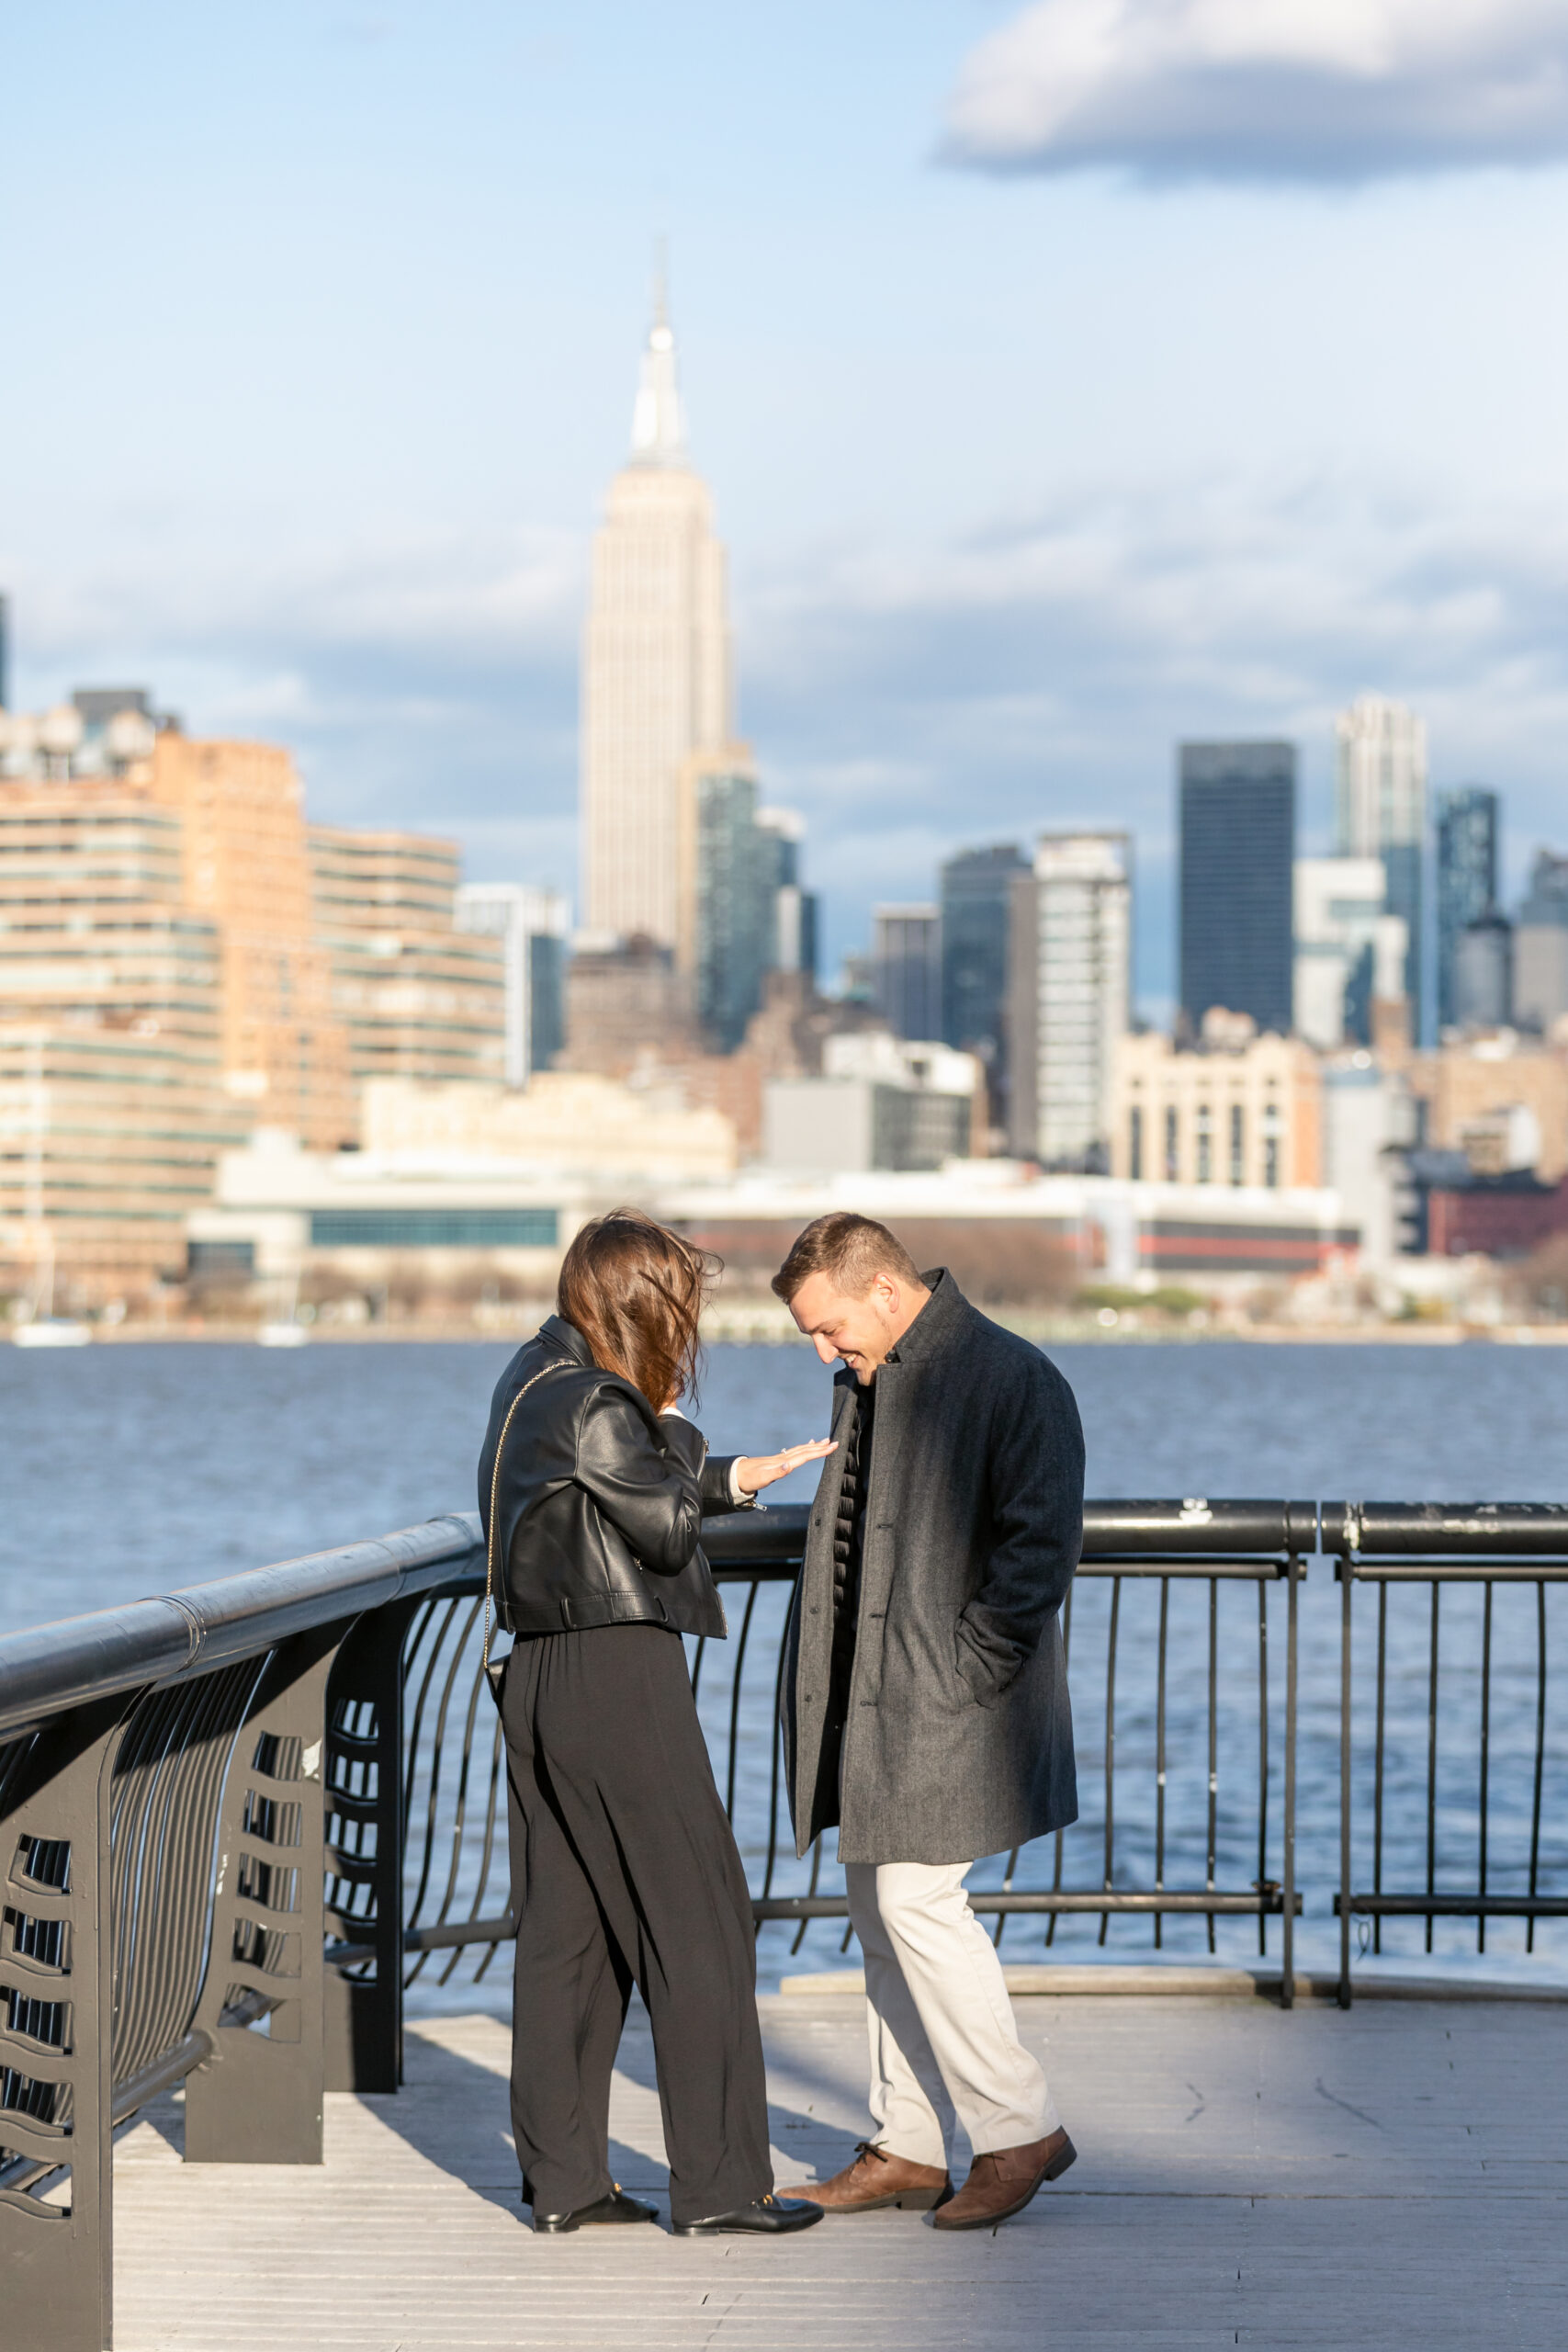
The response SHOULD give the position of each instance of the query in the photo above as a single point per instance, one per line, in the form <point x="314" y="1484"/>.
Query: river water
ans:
<point x="139" y="1468"/>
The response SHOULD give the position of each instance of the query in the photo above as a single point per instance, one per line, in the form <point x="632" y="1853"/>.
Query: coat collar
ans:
<point x="557" y="1332"/>
<point x="936" y="1323"/>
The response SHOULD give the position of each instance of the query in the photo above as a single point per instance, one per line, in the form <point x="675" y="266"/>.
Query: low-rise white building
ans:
<point x="1239" y="1110"/>
<point x="881" y="1101"/>
<point x="455" y="1177"/>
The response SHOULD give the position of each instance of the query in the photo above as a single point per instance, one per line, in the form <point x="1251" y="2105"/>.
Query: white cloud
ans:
<point x="1041" y="671"/>
<point x="1267" y="89"/>
<point x="909" y="701"/>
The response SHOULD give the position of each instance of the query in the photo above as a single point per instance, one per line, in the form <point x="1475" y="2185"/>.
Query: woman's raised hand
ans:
<point x="755" y="1471"/>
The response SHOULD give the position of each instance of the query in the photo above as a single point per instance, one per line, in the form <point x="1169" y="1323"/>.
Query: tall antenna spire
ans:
<point x="658" y="432"/>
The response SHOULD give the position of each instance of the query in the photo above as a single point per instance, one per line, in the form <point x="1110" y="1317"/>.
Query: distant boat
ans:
<point x="282" y="1335"/>
<point x="51" y="1331"/>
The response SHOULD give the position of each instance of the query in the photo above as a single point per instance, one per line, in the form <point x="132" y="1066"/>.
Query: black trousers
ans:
<point x="624" y="1870"/>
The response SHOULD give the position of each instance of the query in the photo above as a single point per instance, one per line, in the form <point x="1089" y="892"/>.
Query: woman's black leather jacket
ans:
<point x="600" y="1500"/>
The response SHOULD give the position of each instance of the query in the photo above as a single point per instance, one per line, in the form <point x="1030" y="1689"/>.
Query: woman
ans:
<point x="624" y="1867"/>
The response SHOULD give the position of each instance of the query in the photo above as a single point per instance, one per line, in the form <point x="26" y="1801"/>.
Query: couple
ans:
<point x="925" y="1712"/>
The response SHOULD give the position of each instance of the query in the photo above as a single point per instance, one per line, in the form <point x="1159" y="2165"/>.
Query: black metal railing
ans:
<point x="1227" y="1810"/>
<point x="161" y="1828"/>
<point x="1460" y="1727"/>
<point x="175" y="1774"/>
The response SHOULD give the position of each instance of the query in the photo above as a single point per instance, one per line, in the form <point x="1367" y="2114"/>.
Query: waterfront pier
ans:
<point x="250" y="1833"/>
<point x="1395" y="2176"/>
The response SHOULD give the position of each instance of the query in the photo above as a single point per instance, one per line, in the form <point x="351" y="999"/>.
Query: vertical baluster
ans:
<point x="437" y="1751"/>
<point x="1288" y="1932"/>
<point x="437" y="1630"/>
<point x="1159" y="1757"/>
<point x="778" y="1760"/>
<point x="1432" y="1759"/>
<point x="1486" y="1749"/>
<point x="1540" y="1750"/>
<point x="1378" y="1762"/>
<point x="1262" y="1759"/>
<point x="735" y="1700"/>
<point x="494" y="1800"/>
<point x="1346" y="1590"/>
<point x="1111" y="1747"/>
<point x="461" y="1794"/>
<point x="1057" y="1864"/>
<point x="1214" y="1740"/>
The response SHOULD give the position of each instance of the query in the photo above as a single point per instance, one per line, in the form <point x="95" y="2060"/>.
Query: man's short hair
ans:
<point x="851" y="1250"/>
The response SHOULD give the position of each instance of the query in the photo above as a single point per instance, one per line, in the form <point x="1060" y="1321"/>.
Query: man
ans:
<point x="925" y="1701"/>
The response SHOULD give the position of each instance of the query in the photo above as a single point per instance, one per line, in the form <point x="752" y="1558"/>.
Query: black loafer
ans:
<point x="768" y="2216"/>
<point x="617" y="2206"/>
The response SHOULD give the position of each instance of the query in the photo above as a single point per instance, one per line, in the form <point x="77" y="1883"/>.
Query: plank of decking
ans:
<point x="1395" y="2176"/>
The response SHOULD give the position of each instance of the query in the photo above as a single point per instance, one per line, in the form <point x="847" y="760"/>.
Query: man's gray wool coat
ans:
<point x="958" y="1740"/>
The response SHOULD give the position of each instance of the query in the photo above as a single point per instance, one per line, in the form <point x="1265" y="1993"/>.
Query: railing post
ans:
<point x="365" y="1852"/>
<point x="258" y="2098"/>
<point x="1288" y="1879"/>
<point x="1347" y="1595"/>
<point x="56" y="2000"/>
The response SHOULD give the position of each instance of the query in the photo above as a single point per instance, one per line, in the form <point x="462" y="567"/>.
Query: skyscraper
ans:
<point x="1467" y="830"/>
<point x="1541" y="945"/>
<point x="419" y="994"/>
<point x="1237" y="848"/>
<point x="728" y="935"/>
<point x="1070" y="995"/>
<point x="906" y="955"/>
<point x="794" y="933"/>
<point x="533" y="924"/>
<point x="1483" y="972"/>
<point x="976" y="894"/>
<point x="1380" y="812"/>
<point x="655" y="668"/>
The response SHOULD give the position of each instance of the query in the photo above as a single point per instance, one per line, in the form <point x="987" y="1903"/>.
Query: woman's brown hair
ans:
<point x="635" y="1290"/>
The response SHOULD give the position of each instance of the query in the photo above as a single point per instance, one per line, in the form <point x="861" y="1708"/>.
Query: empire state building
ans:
<point x="656" y="667"/>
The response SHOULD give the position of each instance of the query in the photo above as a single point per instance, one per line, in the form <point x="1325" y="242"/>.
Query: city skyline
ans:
<point x="1006" y="516"/>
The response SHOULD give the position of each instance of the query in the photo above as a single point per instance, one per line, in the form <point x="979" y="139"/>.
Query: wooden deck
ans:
<point x="1394" y="2176"/>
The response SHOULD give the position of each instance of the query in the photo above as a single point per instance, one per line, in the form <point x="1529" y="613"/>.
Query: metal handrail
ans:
<point x="1368" y="1532"/>
<point x="51" y="1668"/>
<point x="1387" y="1545"/>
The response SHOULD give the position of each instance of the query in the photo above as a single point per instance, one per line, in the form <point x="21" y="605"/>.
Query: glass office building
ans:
<point x="976" y="897"/>
<point x="1467" y="830"/>
<point x="1237" y="851"/>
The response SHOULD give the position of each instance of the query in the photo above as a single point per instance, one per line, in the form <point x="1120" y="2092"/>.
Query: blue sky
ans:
<point x="1070" y="379"/>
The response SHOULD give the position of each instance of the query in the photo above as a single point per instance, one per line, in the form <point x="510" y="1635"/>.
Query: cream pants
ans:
<point x="942" y="2037"/>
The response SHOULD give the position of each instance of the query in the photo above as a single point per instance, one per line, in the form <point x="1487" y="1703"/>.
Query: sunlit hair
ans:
<point x="635" y="1290"/>
<point x="851" y="1250"/>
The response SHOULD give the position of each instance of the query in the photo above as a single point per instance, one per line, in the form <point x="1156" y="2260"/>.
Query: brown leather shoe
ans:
<point x="1001" y="2184"/>
<point x="876" y="2179"/>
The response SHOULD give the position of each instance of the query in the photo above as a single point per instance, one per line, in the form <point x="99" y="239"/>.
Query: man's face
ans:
<point x="860" y="1330"/>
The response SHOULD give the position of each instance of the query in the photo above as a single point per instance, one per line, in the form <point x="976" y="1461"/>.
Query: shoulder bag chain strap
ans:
<point x="494" y="1491"/>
